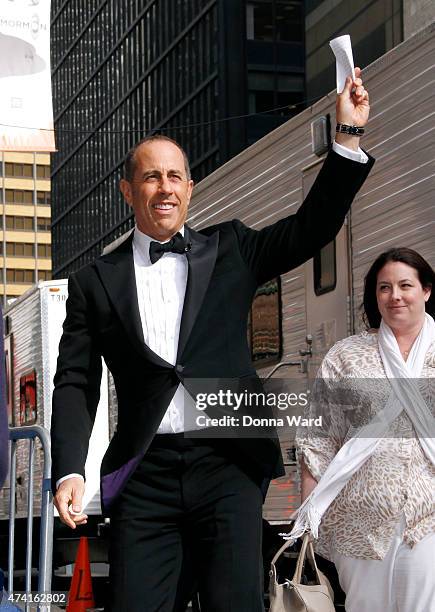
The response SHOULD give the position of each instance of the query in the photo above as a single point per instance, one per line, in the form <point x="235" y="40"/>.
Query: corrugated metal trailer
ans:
<point x="395" y="206"/>
<point x="397" y="203"/>
<point x="33" y="325"/>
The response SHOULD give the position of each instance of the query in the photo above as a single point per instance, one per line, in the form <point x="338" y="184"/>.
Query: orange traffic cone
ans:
<point x="81" y="595"/>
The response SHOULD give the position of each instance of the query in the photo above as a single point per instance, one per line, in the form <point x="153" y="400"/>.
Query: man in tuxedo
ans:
<point x="167" y="306"/>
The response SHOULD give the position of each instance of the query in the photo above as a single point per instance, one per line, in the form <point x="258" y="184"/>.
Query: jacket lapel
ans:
<point x="116" y="270"/>
<point x="201" y="260"/>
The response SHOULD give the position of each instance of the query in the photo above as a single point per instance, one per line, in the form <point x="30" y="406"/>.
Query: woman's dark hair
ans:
<point x="426" y="275"/>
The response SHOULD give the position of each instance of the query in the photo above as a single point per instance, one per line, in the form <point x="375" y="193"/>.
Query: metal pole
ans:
<point x="281" y="365"/>
<point x="46" y="529"/>
<point x="47" y="520"/>
<point x="12" y="480"/>
<point x="29" y="519"/>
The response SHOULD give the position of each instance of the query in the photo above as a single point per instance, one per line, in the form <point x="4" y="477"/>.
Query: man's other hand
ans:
<point x="68" y="501"/>
<point x="352" y="108"/>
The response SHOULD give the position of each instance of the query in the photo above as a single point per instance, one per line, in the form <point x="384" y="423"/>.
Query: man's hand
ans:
<point x="352" y="108"/>
<point x="70" y="493"/>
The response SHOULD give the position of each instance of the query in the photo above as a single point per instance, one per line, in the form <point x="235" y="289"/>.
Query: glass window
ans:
<point x="14" y="196"/>
<point x="286" y="101"/>
<point x="44" y="250"/>
<point x="42" y="172"/>
<point x="325" y="269"/>
<point x="20" y="276"/>
<point x="260" y="20"/>
<point x="19" y="196"/>
<point x="28" y="408"/>
<point x="27" y="170"/>
<point x="264" y="325"/>
<point x="20" y="249"/>
<point x="43" y="224"/>
<point x="43" y="197"/>
<point x="44" y="275"/>
<point x="19" y="223"/>
<point x="20" y="170"/>
<point x="260" y="101"/>
<point x="9" y="169"/>
<point x="278" y="20"/>
<point x="289" y="21"/>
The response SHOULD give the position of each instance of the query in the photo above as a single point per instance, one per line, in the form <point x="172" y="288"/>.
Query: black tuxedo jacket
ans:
<point x="226" y="264"/>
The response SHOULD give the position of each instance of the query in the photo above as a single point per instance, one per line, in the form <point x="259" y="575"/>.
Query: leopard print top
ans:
<point x="397" y="478"/>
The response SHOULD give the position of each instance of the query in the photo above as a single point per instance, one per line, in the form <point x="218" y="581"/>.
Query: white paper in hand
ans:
<point x="342" y="48"/>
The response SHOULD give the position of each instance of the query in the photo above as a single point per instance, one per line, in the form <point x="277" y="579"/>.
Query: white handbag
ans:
<point x="292" y="595"/>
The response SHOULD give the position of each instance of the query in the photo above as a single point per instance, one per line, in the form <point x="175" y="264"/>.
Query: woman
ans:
<point x="375" y="451"/>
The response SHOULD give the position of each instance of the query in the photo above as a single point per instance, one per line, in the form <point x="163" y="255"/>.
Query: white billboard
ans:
<point x="26" y="112"/>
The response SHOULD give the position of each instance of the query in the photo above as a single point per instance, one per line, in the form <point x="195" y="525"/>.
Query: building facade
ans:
<point x="209" y="73"/>
<point x="375" y="27"/>
<point x="417" y="14"/>
<point x="25" y="239"/>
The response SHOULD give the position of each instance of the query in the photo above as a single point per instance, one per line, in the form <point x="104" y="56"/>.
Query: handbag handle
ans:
<point x="307" y="551"/>
<point x="307" y="547"/>
<point x="279" y="552"/>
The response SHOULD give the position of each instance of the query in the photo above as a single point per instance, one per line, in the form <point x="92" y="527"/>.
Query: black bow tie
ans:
<point x="177" y="244"/>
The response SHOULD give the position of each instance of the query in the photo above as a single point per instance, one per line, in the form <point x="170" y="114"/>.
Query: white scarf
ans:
<point x="405" y="395"/>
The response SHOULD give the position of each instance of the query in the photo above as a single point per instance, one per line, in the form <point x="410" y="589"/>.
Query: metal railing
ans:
<point x="46" y="527"/>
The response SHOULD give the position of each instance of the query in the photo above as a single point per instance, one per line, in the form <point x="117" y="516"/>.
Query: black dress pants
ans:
<point x="187" y="513"/>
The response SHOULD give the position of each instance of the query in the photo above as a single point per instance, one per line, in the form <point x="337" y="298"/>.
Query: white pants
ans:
<point x="404" y="581"/>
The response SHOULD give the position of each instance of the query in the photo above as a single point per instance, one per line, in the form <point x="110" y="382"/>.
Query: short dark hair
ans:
<point x="426" y="275"/>
<point x="130" y="164"/>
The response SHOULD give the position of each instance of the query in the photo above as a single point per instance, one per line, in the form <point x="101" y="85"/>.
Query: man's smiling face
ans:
<point x="159" y="191"/>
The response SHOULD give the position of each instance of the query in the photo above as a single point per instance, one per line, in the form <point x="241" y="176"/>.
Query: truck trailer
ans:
<point x="33" y="327"/>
